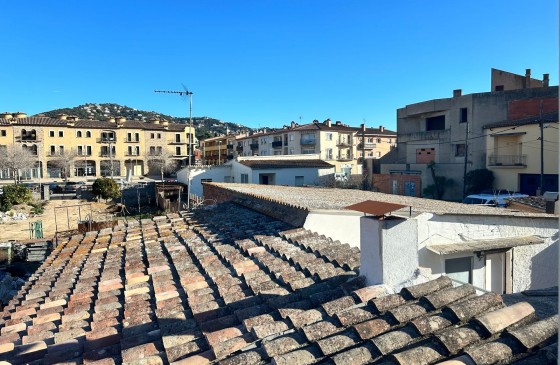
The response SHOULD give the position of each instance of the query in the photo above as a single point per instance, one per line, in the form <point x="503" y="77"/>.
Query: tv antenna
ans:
<point x="185" y="93"/>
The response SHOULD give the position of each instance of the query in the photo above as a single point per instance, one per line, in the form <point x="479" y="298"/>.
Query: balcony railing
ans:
<point x="344" y="142"/>
<point x="229" y="146"/>
<point x="367" y="146"/>
<point x="507" y="160"/>
<point x="277" y="144"/>
<point x="132" y="140"/>
<point x="345" y="158"/>
<point x="107" y="140"/>
<point x="27" y="138"/>
<point x="307" y="141"/>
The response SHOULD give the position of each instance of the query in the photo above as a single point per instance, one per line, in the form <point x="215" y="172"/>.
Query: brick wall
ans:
<point x="519" y="109"/>
<point x="285" y="212"/>
<point x="383" y="183"/>
<point x="425" y="155"/>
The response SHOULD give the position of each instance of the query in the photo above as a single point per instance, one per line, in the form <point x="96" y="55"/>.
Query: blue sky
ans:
<point x="266" y="63"/>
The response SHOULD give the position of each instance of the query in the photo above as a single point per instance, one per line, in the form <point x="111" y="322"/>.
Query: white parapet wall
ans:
<point x="341" y="225"/>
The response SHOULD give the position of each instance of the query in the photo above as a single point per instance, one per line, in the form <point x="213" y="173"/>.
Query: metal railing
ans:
<point x="507" y="160"/>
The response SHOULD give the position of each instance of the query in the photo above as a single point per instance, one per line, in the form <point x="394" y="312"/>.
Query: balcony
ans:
<point x="239" y="148"/>
<point x="277" y="144"/>
<point x="518" y="161"/>
<point x="178" y="142"/>
<point x="254" y="146"/>
<point x="367" y="146"/>
<point x="131" y="140"/>
<point x="305" y="141"/>
<point x="345" y="158"/>
<point x="344" y="143"/>
<point x="229" y="146"/>
<point x="107" y="140"/>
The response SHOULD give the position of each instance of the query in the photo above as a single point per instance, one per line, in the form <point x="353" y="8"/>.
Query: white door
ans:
<point x="495" y="272"/>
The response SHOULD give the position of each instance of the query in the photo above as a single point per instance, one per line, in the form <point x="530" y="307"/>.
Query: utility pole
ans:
<point x="364" y="163"/>
<point x="541" y="124"/>
<point x="466" y="158"/>
<point x="191" y="136"/>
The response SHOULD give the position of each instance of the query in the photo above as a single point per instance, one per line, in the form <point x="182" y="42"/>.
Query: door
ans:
<point x="495" y="272"/>
<point x="459" y="269"/>
<point x="264" y="179"/>
<point x="395" y="187"/>
<point x="409" y="188"/>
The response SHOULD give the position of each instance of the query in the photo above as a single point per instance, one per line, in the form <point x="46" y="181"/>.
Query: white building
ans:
<point x="292" y="170"/>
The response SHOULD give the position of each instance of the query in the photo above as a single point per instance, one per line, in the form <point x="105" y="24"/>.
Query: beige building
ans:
<point x="115" y="147"/>
<point x="336" y="143"/>
<point x="514" y="154"/>
<point x="217" y="150"/>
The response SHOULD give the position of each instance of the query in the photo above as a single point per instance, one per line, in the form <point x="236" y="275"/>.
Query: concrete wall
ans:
<point x="342" y="225"/>
<point x="371" y="264"/>
<point x="287" y="176"/>
<point x="216" y="173"/>
<point x="534" y="266"/>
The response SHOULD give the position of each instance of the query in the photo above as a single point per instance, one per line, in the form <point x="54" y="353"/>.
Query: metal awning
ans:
<point x="375" y="207"/>
<point x="484" y="245"/>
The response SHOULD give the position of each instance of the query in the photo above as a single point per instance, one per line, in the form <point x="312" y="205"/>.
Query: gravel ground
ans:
<point x="326" y="198"/>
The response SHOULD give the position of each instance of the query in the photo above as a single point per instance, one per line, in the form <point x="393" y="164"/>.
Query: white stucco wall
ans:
<point x="370" y="251"/>
<point x="342" y="225"/>
<point x="400" y="255"/>
<point x="534" y="266"/>
<point x="288" y="176"/>
<point x="216" y="173"/>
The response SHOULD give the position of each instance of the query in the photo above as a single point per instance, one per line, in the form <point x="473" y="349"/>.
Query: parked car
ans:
<point x="495" y="200"/>
<point x="72" y="186"/>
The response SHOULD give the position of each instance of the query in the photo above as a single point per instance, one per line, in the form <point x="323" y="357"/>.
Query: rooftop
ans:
<point x="94" y="124"/>
<point x="232" y="286"/>
<point x="314" y="198"/>
<point x="284" y="163"/>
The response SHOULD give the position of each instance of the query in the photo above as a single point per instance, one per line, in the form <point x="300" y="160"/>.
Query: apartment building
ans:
<point x="525" y="146"/>
<point x="115" y="147"/>
<point x="338" y="144"/>
<point x="450" y="132"/>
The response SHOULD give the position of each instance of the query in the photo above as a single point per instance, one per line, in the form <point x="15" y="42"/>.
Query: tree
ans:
<point x="478" y="180"/>
<point x="163" y="161"/>
<point x="64" y="160"/>
<point x="106" y="188"/>
<point x="441" y="183"/>
<point x="15" y="159"/>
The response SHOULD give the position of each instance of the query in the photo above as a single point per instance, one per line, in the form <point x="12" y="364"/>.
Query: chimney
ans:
<point x="381" y="128"/>
<point x="363" y="127"/>
<point x="457" y="93"/>
<point x="545" y="80"/>
<point x="293" y="124"/>
<point x="527" y="78"/>
<point x="61" y="116"/>
<point x="338" y="122"/>
<point x="327" y="122"/>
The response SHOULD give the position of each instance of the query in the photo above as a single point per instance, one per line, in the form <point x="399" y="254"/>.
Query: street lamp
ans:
<point x="219" y="152"/>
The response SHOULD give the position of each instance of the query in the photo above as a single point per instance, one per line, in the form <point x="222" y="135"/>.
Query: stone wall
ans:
<point x="288" y="213"/>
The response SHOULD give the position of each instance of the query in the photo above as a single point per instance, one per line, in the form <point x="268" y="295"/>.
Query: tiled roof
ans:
<point x="96" y="124"/>
<point x="288" y="163"/>
<point x="547" y="118"/>
<point x="231" y="286"/>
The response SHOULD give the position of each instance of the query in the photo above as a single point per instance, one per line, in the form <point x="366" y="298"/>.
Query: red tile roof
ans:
<point x="94" y="124"/>
<point x="231" y="286"/>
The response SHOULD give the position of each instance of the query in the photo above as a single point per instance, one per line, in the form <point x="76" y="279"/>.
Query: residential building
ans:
<point x="115" y="147"/>
<point x="336" y="143"/>
<point x="450" y="133"/>
<point x="292" y="170"/>
<point x="516" y="146"/>
<point x="217" y="150"/>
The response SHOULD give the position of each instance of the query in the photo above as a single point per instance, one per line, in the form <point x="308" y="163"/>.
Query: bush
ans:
<point x="38" y="207"/>
<point x="478" y="180"/>
<point x="106" y="188"/>
<point x="14" y="194"/>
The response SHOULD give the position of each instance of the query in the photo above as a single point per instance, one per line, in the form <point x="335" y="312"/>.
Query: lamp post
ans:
<point x="219" y="152"/>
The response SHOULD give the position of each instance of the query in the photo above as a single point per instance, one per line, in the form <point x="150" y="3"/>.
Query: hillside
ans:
<point x="205" y="126"/>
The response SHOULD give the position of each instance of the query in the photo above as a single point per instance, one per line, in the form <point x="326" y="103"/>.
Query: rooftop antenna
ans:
<point x="188" y="93"/>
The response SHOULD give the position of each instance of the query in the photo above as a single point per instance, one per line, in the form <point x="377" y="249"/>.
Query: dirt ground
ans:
<point x="59" y="214"/>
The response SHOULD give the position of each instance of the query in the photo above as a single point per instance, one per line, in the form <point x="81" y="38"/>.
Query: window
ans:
<point x="51" y="133"/>
<point x="61" y="150"/>
<point x="88" y="134"/>
<point x="244" y="178"/>
<point x="88" y="150"/>
<point x="137" y="151"/>
<point x="459" y="269"/>
<point x="130" y="150"/>
<point x="52" y="151"/>
<point x="370" y="140"/>
<point x="308" y="138"/>
<point x="459" y="150"/>
<point x="308" y="151"/>
<point x="435" y="123"/>
<point x="291" y="136"/>
<point x="61" y="133"/>
<point x="378" y="154"/>
<point x="499" y="88"/>
<point x="159" y="135"/>
<point x="137" y="137"/>
<point x="299" y="181"/>
<point x="463" y="118"/>
<point x="202" y="181"/>
<point x="152" y="150"/>
<point x="328" y="154"/>
<point x="129" y="137"/>
<point x="389" y="140"/>
<point x="79" y="134"/>
<point x="378" y="140"/>
<point x="177" y="137"/>
<point x="291" y="150"/>
<point x="80" y="150"/>
<point x="329" y="137"/>
<point x="178" y="151"/>
<point x="3" y="133"/>
<point x="152" y="135"/>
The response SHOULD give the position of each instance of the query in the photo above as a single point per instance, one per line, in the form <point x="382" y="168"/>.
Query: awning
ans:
<point x="375" y="207"/>
<point x="484" y="245"/>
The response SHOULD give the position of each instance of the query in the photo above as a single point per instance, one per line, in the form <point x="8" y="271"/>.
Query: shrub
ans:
<point x="37" y="207"/>
<point x="106" y="188"/>
<point x="14" y="194"/>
